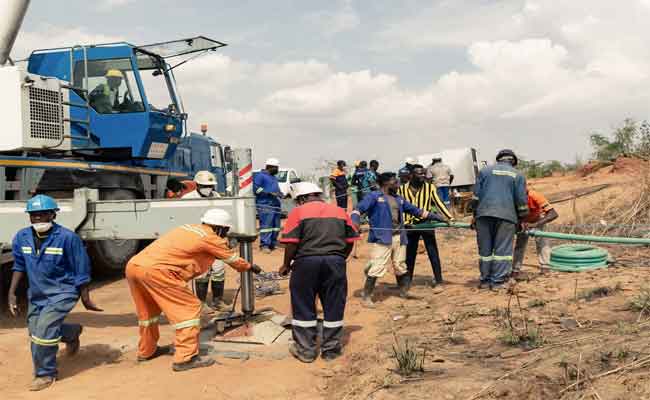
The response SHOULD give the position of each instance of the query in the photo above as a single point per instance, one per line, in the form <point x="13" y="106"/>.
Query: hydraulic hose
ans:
<point x="588" y="238"/>
<point x="545" y="234"/>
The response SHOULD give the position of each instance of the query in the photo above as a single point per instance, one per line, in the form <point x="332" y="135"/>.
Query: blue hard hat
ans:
<point x="41" y="202"/>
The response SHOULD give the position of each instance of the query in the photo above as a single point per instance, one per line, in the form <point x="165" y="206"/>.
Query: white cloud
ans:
<point x="51" y="36"/>
<point x="107" y="5"/>
<point x="540" y="76"/>
<point x="342" y="19"/>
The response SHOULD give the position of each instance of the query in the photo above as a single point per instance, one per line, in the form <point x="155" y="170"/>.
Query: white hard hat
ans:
<point x="304" y="188"/>
<point x="410" y="160"/>
<point x="205" y="178"/>
<point x="273" y="162"/>
<point x="217" y="217"/>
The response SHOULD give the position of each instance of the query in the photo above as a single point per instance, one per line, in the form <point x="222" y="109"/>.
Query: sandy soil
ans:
<point x="459" y="330"/>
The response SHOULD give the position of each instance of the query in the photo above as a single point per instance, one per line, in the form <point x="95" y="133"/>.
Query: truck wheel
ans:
<point x="111" y="256"/>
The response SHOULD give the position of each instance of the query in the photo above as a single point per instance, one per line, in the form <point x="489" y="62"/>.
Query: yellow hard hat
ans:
<point x="114" y="73"/>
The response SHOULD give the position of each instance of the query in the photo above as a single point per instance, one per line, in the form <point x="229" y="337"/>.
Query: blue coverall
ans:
<point x="55" y="271"/>
<point x="377" y="207"/>
<point x="502" y="201"/>
<point x="268" y="208"/>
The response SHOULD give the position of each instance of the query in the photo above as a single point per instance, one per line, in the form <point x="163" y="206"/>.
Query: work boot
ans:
<point x="72" y="348"/>
<point x="331" y="355"/>
<point x="497" y="287"/>
<point x="368" y="288"/>
<point x="404" y="283"/>
<point x="195" y="362"/>
<point x="293" y="349"/>
<point x="484" y="285"/>
<point x="41" y="382"/>
<point x="166" y="350"/>
<point x="436" y="287"/>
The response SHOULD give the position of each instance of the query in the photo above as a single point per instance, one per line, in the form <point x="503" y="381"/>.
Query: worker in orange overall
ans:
<point x="158" y="277"/>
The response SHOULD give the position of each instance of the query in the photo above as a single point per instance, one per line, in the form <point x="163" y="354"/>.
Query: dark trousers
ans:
<point x="46" y="330"/>
<point x="495" y="238"/>
<point x="342" y="199"/>
<point x="360" y="196"/>
<point x="326" y="277"/>
<point x="430" y="244"/>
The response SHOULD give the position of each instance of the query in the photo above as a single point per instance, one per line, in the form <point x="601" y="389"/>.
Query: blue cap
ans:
<point x="41" y="202"/>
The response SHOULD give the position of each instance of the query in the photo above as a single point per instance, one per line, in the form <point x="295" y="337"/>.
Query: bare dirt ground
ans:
<point x="581" y="327"/>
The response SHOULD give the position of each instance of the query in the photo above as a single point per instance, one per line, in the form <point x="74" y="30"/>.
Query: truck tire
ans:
<point x="111" y="256"/>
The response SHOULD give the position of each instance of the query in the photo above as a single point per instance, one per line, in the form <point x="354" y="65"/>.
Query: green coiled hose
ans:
<point x="578" y="257"/>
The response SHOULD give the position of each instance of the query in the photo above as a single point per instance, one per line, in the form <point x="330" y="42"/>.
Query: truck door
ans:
<point x="217" y="166"/>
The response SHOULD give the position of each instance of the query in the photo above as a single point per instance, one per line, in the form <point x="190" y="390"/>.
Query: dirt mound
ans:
<point x="622" y="165"/>
<point x="631" y="166"/>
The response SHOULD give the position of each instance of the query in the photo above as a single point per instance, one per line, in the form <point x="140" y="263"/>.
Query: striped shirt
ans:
<point x="426" y="198"/>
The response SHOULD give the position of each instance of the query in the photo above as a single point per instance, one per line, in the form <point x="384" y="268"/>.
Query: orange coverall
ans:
<point x="158" y="277"/>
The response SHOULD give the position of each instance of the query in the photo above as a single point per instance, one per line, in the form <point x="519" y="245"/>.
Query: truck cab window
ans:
<point x="215" y="156"/>
<point x="111" y="84"/>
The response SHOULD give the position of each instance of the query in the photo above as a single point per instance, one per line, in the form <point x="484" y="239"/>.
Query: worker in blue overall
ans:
<point x="267" y="199"/>
<point x="58" y="271"/>
<point x="500" y="203"/>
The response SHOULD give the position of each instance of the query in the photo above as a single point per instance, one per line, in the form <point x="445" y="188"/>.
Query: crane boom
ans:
<point x="11" y="18"/>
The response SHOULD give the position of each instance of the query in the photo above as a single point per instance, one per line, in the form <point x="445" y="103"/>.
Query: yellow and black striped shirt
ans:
<point x="426" y="198"/>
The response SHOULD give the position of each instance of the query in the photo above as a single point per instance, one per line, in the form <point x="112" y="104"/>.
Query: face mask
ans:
<point x="205" y="192"/>
<point x="41" y="227"/>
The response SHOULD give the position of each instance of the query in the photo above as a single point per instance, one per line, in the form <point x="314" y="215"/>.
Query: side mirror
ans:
<point x="227" y="154"/>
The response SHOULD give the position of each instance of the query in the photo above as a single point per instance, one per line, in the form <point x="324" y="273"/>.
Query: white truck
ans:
<point x="463" y="163"/>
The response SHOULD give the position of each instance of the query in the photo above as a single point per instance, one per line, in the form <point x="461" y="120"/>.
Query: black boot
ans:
<point x="217" y="294"/>
<point x="404" y="283"/>
<point x="368" y="288"/>
<point x="201" y="289"/>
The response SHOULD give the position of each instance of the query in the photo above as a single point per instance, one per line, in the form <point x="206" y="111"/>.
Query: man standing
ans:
<point x="58" y="271"/>
<point x="360" y="180"/>
<point x="541" y="213"/>
<point x="404" y="175"/>
<point x="319" y="238"/>
<point x="423" y="195"/>
<point x="267" y="199"/>
<point x="373" y="175"/>
<point x="500" y="202"/>
<point x="158" y="276"/>
<point x="339" y="181"/>
<point x="387" y="238"/>
<point x="205" y="182"/>
<point x="441" y="176"/>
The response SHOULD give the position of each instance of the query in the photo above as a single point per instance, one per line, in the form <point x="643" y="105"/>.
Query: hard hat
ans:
<point x="205" y="178"/>
<point x="273" y="162"/>
<point x="410" y="160"/>
<point x="41" y="202"/>
<point x="217" y="217"/>
<point x="114" y="73"/>
<point x="304" y="188"/>
<point x="507" y="153"/>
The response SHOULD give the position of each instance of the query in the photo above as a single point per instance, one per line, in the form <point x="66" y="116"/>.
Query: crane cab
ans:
<point x="123" y="101"/>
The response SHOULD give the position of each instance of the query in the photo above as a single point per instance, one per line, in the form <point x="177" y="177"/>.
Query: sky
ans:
<point x="305" y="80"/>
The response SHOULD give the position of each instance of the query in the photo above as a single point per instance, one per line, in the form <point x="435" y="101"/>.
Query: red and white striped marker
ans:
<point x="246" y="180"/>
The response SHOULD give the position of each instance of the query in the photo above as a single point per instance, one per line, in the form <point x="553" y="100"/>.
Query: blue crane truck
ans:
<point x="107" y="117"/>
